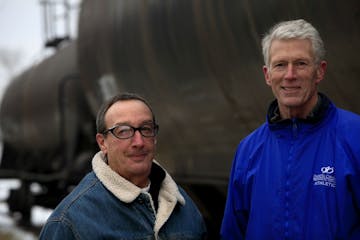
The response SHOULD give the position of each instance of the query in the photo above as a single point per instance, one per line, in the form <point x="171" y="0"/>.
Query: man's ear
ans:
<point x="266" y="72"/>
<point x="320" y="72"/>
<point x="100" y="139"/>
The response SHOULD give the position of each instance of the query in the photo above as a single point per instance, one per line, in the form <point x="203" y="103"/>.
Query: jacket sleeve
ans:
<point x="56" y="230"/>
<point x="235" y="215"/>
<point x="354" y="178"/>
<point x="350" y="134"/>
<point x="354" y="183"/>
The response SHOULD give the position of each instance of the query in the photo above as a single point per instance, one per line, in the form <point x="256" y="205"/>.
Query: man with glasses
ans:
<point x="128" y="195"/>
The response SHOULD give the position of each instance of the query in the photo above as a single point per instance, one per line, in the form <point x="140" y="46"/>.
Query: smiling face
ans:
<point x="131" y="158"/>
<point x="293" y="76"/>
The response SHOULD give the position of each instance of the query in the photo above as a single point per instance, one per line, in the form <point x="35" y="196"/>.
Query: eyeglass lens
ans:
<point x="125" y="131"/>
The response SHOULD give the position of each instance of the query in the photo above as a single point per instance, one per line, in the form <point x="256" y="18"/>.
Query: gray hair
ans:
<point x="100" y="119"/>
<point x="295" y="29"/>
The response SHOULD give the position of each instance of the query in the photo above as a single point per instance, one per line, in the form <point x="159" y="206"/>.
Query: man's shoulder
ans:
<point x="347" y="128"/>
<point x="255" y="135"/>
<point x="347" y="122"/>
<point x="87" y="187"/>
<point x="346" y="116"/>
<point x="253" y="142"/>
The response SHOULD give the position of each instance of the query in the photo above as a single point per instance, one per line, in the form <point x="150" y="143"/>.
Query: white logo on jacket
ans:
<point x="325" y="178"/>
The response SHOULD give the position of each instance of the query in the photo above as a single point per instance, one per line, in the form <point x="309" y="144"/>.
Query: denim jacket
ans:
<point x="106" y="206"/>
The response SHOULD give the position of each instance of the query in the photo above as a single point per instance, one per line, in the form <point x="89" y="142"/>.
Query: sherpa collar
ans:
<point x="128" y="192"/>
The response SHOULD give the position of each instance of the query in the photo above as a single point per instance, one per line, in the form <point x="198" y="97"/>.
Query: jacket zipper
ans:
<point x="294" y="130"/>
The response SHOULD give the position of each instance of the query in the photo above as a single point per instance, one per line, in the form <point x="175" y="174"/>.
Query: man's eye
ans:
<point x="147" y="128"/>
<point x="122" y="130"/>
<point x="301" y="64"/>
<point x="279" y="65"/>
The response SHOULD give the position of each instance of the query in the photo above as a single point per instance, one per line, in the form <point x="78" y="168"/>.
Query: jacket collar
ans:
<point x="315" y="116"/>
<point x="126" y="191"/>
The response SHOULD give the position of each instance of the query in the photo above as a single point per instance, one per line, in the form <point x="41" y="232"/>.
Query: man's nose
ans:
<point x="137" y="139"/>
<point x="290" y="72"/>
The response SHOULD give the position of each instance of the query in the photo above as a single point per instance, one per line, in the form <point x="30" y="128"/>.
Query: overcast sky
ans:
<point x="23" y="34"/>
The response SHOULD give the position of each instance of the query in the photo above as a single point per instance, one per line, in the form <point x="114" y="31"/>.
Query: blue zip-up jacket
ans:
<point x="297" y="179"/>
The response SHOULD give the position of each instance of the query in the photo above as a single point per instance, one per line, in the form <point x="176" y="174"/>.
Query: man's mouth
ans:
<point x="290" y="89"/>
<point x="137" y="155"/>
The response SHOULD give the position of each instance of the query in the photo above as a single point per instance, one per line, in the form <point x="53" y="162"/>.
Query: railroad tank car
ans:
<point x="43" y="116"/>
<point x="199" y="64"/>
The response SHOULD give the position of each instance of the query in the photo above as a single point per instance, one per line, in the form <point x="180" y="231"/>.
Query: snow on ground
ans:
<point x="8" y="227"/>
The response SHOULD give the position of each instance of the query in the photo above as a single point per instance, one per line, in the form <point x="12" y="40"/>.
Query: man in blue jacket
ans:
<point x="128" y="195"/>
<point x="298" y="175"/>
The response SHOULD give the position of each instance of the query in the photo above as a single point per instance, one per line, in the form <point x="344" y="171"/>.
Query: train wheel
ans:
<point x="20" y="201"/>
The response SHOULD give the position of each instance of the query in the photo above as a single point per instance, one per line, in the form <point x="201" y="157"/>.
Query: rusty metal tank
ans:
<point x="40" y="114"/>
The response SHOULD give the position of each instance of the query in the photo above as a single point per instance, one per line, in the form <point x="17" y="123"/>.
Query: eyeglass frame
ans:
<point x="111" y="130"/>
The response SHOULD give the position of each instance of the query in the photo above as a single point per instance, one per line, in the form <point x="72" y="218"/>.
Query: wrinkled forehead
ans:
<point x="301" y="48"/>
<point x="128" y="111"/>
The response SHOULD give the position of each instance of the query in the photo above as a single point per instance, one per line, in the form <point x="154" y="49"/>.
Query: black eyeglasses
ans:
<point x="126" y="131"/>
